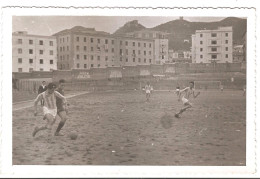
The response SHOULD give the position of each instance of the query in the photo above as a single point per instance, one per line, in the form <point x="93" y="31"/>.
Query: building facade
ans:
<point x="179" y="56"/>
<point x="85" y="48"/>
<point x="212" y="46"/>
<point x="238" y="54"/>
<point x="33" y="52"/>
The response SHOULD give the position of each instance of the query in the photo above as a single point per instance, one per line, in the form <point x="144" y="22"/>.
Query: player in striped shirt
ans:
<point x="49" y="109"/>
<point x="148" y="89"/>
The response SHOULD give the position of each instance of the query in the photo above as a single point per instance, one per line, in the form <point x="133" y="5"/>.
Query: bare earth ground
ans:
<point x="120" y="128"/>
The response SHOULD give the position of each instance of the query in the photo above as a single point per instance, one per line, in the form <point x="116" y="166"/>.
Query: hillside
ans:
<point x="180" y="30"/>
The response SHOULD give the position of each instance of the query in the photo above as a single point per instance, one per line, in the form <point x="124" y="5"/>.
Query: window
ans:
<point x="63" y="39"/>
<point x="150" y="53"/>
<point x="121" y="59"/>
<point x="30" y="42"/>
<point x="213" y="35"/>
<point x="85" y="39"/>
<point x="85" y="65"/>
<point x="126" y="59"/>
<point x="98" y="57"/>
<point x="92" y="57"/>
<point x="226" y="48"/>
<point x="68" y="57"/>
<point x="213" y="42"/>
<point x="85" y="57"/>
<point x="98" y="65"/>
<point x="77" y="57"/>
<point x="41" y="42"/>
<point x="145" y="60"/>
<point x="85" y="48"/>
<point x="126" y="51"/>
<point x="51" y="43"/>
<point x="112" y="50"/>
<point x="214" y="49"/>
<point x="139" y="60"/>
<point x="63" y="49"/>
<point x="41" y="52"/>
<point x="126" y="43"/>
<point x="30" y="60"/>
<point x="51" y="52"/>
<point x="112" y="41"/>
<point x="60" y="57"/>
<point x="91" y="40"/>
<point x="139" y="52"/>
<point x="77" y="39"/>
<point x="20" y="50"/>
<point x="121" y="43"/>
<point x="30" y="69"/>
<point x="144" y="52"/>
<point x="201" y="56"/>
<point x="20" y="60"/>
<point x="20" y="70"/>
<point x="68" y="48"/>
<point x="92" y="49"/>
<point x="144" y="44"/>
<point x="162" y="56"/>
<point x="60" y="49"/>
<point x="51" y="61"/>
<point x="133" y="59"/>
<point x="226" y="55"/>
<point x="150" y="60"/>
<point x="77" y="65"/>
<point x="77" y="47"/>
<point x="20" y="41"/>
<point x="106" y="41"/>
<point x="139" y="44"/>
<point x="107" y="58"/>
<point x="134" y="52"/>
<point x="121" y="51"/>
<point x="150" y="45"/>
<point x="92" y="65"/>
<point x="41" y="69"/>
<point x="41" y="61"/>
<point x="226" y="34"/>
<point x="133" y="44"/>
<point x="213" y="56"/>
<point x="201" y="49"/>
<point x="201" y="35"/>
<point x="98" y="41"/>
<point x="226" y="41"/>
<point x="201" y="42"/>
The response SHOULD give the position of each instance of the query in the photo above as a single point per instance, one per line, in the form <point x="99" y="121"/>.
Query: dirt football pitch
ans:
<point x="121" y="128"/>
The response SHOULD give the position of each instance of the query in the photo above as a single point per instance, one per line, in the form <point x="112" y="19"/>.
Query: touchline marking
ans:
<point x="31" y="105"/>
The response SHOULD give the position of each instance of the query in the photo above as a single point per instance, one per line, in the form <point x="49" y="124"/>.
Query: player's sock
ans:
<point x="61" y="124"/>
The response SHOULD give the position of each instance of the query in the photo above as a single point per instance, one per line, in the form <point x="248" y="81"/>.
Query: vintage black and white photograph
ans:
<point x="129" y="90"/>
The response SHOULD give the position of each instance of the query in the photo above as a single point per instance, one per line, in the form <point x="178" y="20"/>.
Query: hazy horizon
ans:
<point x="49" y="25"/>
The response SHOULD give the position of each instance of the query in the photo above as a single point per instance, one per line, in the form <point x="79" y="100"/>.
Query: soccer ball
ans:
<point x="73" y="135"/>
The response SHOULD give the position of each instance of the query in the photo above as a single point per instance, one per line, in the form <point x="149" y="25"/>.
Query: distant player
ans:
<point x="177" y="91"/>
<point x="49" y="109"/>
<point x="244" y="89"/>
<point x="148" y="89"/>
<point x="185" y="93"/>
<point x="221" y="88"/>
<point x="62" y="108"/>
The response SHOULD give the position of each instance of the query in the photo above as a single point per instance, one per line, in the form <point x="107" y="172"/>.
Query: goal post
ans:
<point x="207" y="84"/>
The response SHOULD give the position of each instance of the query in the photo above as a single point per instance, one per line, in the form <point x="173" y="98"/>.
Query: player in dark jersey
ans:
<point x="62" y="109"/>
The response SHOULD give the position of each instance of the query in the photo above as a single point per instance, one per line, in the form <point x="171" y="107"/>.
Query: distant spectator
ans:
<point x="41" y="89"/>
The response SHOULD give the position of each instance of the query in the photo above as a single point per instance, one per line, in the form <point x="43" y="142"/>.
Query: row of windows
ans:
<point x="214" y="35"/>
<point x="20" y="60"/>
<point x="31" y="42"/>
<point x="214" y="49"/>
<point x="134" y="60"/>
<point x="133" y="52"/>
<point x="92" y="40"/>
<point x="134" y="43"/>
<point x="214" y="56"/>
<point x="85" y="65"/>
<point x="85" y="57"/>
<point x="99" y="49"/>
<point x="20" y="51"/>
<point x="214" y="42"/>
<point x="31" y="69"/>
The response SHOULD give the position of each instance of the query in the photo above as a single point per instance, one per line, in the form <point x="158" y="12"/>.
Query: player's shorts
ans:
<point x="52" y="112"/>
<point x="147" y="91"/>
<point x="60" y="109"/>
<point x="185" y="101"/>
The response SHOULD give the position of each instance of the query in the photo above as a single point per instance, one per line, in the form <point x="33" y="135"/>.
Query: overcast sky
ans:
<point x="48" y="25"/>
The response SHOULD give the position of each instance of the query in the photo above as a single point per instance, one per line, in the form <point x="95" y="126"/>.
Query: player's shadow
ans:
<point x="166" y="121"/>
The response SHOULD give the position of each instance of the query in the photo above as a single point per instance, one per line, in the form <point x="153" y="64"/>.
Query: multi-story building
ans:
<point x="179" y="56"/>
<point x="212" y="45"/>
<point x="81" y="47"/>
<point x="33" y="52"/>
<point x="87" y="48"/>
<point x="160" y="43"/>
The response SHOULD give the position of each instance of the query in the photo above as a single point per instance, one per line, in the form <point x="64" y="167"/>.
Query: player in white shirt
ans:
<point x="148" y="89"/>
<point x="186" y="93"/>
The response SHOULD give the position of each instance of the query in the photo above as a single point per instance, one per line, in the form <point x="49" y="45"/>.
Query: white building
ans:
<point x="212" y="45"/>
<point x="33" y="52"/>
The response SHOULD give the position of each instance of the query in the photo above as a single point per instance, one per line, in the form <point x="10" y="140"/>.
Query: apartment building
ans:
<point x="212" y="45"/>
<point x="33" y="52"/>
<point x="160" y="43"/>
